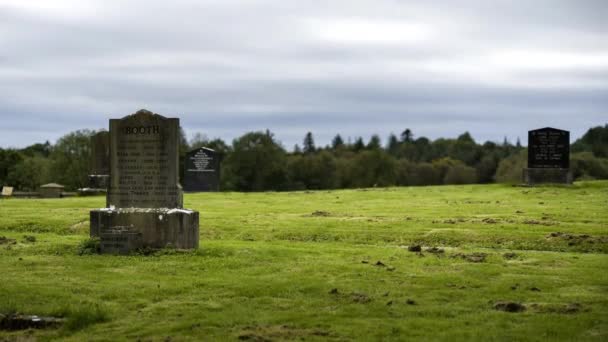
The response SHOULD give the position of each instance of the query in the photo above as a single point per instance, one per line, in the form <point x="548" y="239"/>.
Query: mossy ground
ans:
<point x="280" y="266"/>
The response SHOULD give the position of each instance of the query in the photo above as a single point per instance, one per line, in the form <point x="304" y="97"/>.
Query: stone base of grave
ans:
<point x="124" y="230"/>
<point x="532" y="176"/>
<point x="99" y="181"/>
<point x="91" y="192"/>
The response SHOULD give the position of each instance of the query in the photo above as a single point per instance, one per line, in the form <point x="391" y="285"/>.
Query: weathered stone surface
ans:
<point x="144" y="156"/>
<point x="544" y="175"/>
<point x="123" y="230"/>
<point x="7" y="191"/>
<point x="51" y="190"/>
<point x="202" y="170"/>
<point x="144" y="198"/>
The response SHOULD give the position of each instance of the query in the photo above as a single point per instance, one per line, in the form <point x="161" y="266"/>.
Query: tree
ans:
<point x="374" y="143"/>
<point x="407" y="136"/>
<point x="594" y="140"/>
<point x="359" y="144"/>
<point x="198" y="140"/>
<point x="309" y="143"/>
<point x="312" y="171"/>
<point x="510" y="169"/>
<point x="8" y="160"/>
<point x="257" y="162"/>
<point x="70" y="159"/>
<point x="30" y="173"/>
<point x="393" y="145"/>
<point x="337" y="142"/>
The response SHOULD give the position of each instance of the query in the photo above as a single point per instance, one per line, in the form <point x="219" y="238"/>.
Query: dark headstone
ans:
<point x="144" y="201"/>
<point x="548" y="156"/>
<point x="99" y="174"/>
<point x="549" y="148"/>
<point x="202" y="170"/>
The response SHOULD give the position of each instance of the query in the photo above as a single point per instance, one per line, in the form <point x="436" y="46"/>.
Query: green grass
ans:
<point x="268" y="263"/>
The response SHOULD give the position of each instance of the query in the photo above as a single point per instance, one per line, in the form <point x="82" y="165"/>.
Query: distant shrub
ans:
<point x="460" y="174"/>
<point x="511" y="168"/>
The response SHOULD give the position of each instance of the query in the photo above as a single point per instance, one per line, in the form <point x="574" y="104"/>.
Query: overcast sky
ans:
<point x="226" y="67"/>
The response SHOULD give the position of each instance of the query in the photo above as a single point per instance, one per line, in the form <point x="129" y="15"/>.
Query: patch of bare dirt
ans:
<point x="510" y="256"/>
<point x="570" y="308"/>
<point x="508" y="306"/>
<point x="471" y="257"/>
<point x="542" y="223"/>
<point x="360" y="298"/>
<point x="320" y="213"/>
<point x="414" y="248"/>
<point x="576" y="239"/>
<point x="6" y="241"/>
<point x="280" y="332"/>
<point x="435" y="250"/>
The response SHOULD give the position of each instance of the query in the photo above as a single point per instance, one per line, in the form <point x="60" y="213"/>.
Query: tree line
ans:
<point x="256" y="161"/>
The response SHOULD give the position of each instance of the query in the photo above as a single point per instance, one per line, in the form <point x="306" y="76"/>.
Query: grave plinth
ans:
<point x="548" y="157"/>
<point x="144" y="199"/>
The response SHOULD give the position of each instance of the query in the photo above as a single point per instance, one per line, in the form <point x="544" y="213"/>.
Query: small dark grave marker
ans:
<point x="548" y="157"/>
<point x="202" y="170"/>
<point x="100" y="162"/>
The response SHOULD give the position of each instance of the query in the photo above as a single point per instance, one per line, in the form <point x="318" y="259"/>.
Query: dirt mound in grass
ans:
<point x="6" y="241"/>
<point x="320" y="213"/>
<point x="280" y="333"/>
<point x="509" y="306"/>
<point x="471" y="257"/>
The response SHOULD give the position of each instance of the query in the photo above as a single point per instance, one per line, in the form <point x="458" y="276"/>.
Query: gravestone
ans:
<point x="7" y="191"/>
<point x="202" y="170"/>
<point x="144" y="199"/>
<point x="100" y="161"/>
<point x="51" y="190"/>
<point x="548" y="157"/>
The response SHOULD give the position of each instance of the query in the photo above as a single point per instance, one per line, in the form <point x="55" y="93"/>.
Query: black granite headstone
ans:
<point x="549" y="148"/>
<point x="100" y="163"/>
<point x="202" y="170"/>
<point x="548" y="157"/>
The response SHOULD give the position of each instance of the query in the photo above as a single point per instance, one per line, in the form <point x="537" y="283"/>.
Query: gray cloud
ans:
<point x="493" y="68"/>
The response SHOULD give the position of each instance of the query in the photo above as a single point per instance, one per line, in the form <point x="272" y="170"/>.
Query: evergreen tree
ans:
<point x="309" y="143"/>
<point x="359" y="144"/>
<point x="393" y="145"/>
<point x="407" y="136"/>
<point x="337" y="142"/>
<point x="374" y="143"/>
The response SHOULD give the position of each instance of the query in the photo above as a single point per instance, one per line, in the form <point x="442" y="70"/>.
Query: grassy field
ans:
<point x="325" y="265"/>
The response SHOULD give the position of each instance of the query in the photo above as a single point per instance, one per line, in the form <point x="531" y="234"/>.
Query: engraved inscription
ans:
<point x="548" y="148"/>
<point x="144" y="162"/>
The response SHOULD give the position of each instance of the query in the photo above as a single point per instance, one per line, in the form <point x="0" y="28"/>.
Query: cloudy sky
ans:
<point x="493" y="68"/>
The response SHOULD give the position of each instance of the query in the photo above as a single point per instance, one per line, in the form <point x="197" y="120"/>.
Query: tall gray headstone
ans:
<point x="548" y="157"/>
<point x="144" y="200"/>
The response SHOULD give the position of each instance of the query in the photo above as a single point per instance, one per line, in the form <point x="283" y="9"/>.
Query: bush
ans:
<point x="89" y="247"/>
<point x="510" y="169"/>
